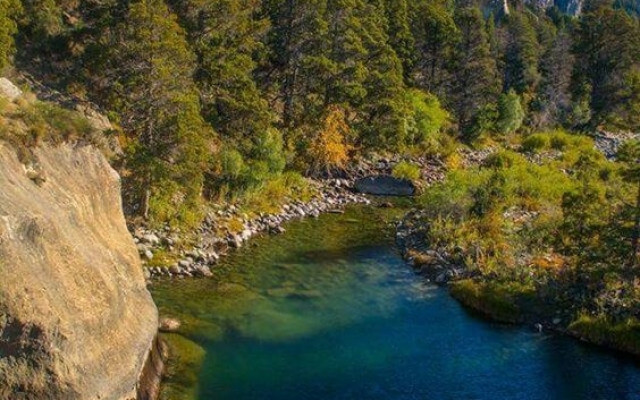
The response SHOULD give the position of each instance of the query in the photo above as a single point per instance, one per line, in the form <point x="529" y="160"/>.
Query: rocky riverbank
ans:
<point x="436" y="264"/>
<point x="228" y="228"/>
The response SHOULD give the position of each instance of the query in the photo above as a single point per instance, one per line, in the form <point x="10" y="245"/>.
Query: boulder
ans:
<point x="235" y="241"/>
<point x="9" y="90"/>
<point x="385" y="185"/>
<point x="169" y="325"/>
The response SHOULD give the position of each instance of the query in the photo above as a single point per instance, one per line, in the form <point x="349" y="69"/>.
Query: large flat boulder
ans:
<point x="76" y="319"/>
<point x="385" y="185"/>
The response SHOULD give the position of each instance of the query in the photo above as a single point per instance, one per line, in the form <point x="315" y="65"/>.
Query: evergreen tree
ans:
<point x="474" y="88"/>
<point x="435" y="34"/>
<point x="607" y="50"/>
<point x="9" y="10"/>
<point x="553" y="101"/>
<point x="385" y="106"/>
<point x="521" y="56"/>
<point x="399" y="32"/>
<point x="510" y="113"/>
<point x="225" y="35"/>
<point x="296" y="64"/>
<point x="153" y="90"/>
<point x="345" y="55"/>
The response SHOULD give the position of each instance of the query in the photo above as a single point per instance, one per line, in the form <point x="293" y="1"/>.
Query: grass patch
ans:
<point x="163" y="258"/>
<point x="496" y="300"/>
<point x="269" y="196"/>
<point x="624" y="335"/>
<point x="406" y="170"/>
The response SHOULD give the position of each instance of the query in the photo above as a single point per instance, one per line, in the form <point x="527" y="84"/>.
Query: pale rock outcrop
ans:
<point x="76" y="320"/>
<point x="9" y="90"/>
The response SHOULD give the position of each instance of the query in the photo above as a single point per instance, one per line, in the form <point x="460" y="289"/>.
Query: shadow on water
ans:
<point x="330" y="311"/>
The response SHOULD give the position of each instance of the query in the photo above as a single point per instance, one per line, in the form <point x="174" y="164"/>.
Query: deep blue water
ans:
<point x="330" y="311"/>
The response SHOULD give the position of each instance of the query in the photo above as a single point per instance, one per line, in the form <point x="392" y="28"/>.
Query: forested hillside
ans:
<point x="213" y="98"/>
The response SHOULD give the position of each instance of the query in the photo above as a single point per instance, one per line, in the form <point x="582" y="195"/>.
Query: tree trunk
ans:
<point x="145" y="204"/>
<point x="635" y="238"/>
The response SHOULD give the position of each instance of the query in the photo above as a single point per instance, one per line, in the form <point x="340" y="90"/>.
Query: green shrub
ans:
<point x="560" y="141"/>
<point x="502" y="159"/>
<point x="510" y="113"/>
<point x="535" y="143"/>
<point x="406" y="170"/>
<point x="426" y="121"/>
<point x="271" y="194"/>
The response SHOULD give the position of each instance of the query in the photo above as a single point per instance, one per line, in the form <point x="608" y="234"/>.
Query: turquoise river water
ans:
<point x="329" y="311"/>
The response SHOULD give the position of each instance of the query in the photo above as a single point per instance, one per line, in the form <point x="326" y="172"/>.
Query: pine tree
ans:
<point x="296" y="65"/>
<point x="225" y="35"/>
<point x="474" y="87"/>
<point x="153" y="91"/>
<point x="399" y="32"/>
<point x="385" y="106"/>
<point x="435" y="34"/>
<point x="607" y="50"/>
<point x="553" y="102"/>
<point x="9" y="10"/>
<point x="521" y="56"/>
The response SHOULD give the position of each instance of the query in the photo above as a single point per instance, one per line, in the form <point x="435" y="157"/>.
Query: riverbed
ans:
<point x="329" y="310"/>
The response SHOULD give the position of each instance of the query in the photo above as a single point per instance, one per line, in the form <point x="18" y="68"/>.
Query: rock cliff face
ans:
<point x="76" y="320"/>
<point x="571" y="7"/>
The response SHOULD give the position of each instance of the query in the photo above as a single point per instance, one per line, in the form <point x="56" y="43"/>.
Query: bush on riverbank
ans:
<point x="557" y="219"/>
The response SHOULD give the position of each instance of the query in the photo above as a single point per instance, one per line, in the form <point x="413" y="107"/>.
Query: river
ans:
<point x="328" y="310"/>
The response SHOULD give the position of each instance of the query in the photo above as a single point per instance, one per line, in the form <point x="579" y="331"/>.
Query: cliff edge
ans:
<point x="76" y="320"/>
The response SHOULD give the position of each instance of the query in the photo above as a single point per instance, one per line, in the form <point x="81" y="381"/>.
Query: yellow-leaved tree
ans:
<point x="329" y="150"/>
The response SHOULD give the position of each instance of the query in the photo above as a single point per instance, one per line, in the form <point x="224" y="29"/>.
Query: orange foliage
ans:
<point x="329" y="149"/>
<point x="549" y="262"/>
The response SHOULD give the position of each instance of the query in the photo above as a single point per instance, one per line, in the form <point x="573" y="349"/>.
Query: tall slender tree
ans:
<point x="296" y="41"/>
<point x="225" y="35"/>
<point x="475" y="86"/>
<point x="435" y="34"/>
<point x="400" y="35"/>
<point x="607" y="50"/>
<point x="522" y="55"/>
<point x="152" y="88"/>
<point x="9" y="10"/>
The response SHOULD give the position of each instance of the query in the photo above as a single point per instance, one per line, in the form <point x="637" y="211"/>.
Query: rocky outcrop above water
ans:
<point x="435" y="264"/>
<point x="385" y="185"/>
<point x="76" y="320"/>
